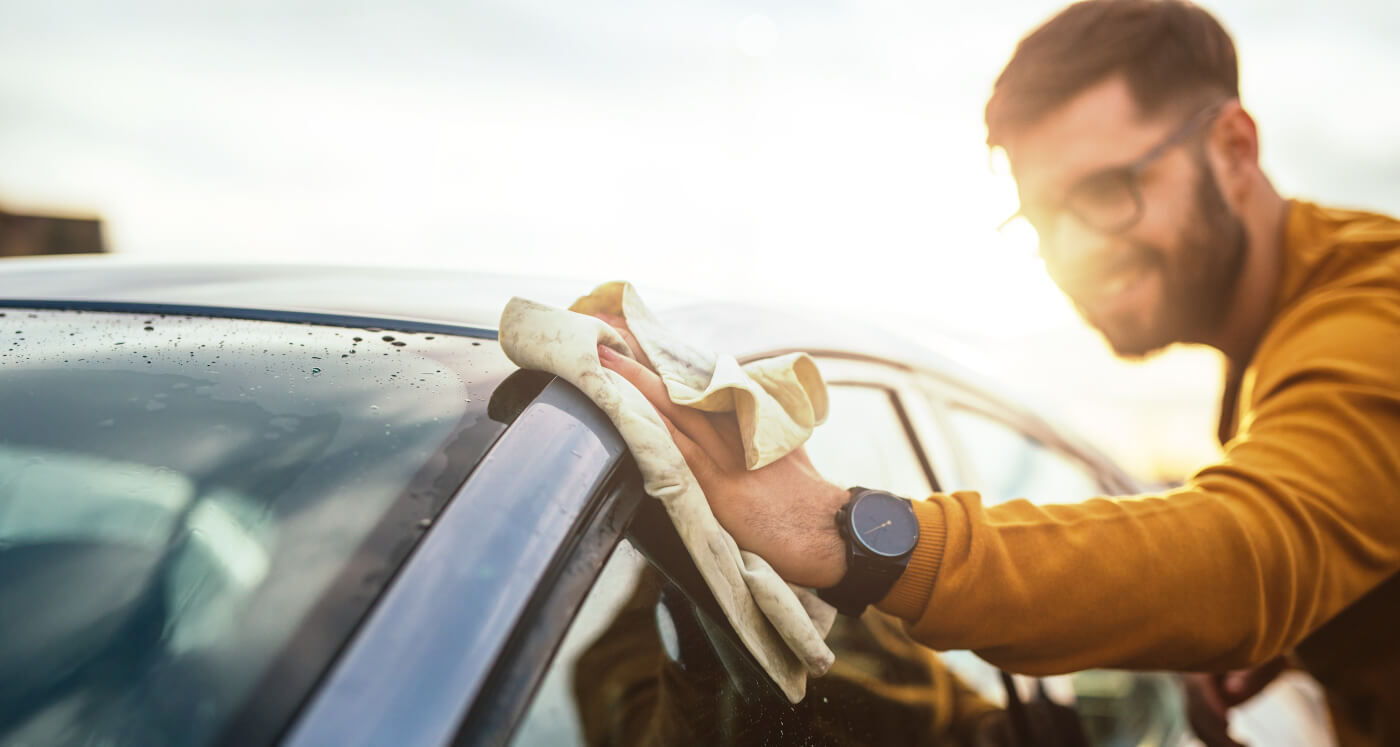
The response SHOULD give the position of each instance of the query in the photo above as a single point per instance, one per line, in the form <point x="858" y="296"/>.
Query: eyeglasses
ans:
<point x="1110" y="201"/>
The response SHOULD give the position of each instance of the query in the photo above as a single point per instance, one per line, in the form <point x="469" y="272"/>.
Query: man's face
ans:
<point x="1170" y="276"/>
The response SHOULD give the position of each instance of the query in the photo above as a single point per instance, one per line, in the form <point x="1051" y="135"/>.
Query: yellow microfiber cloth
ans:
<point x="776" y="402"/>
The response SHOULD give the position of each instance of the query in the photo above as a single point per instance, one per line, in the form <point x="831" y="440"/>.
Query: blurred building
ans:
<point x="24" y="235"/>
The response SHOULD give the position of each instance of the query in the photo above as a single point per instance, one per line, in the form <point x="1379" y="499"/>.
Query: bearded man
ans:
<point x="1139" y="169"/>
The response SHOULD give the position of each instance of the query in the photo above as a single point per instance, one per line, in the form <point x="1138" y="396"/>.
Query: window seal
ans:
<point x="374" y="323"/>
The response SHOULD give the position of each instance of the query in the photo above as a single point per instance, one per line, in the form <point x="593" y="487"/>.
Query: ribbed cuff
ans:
<point x="909" y="596"/>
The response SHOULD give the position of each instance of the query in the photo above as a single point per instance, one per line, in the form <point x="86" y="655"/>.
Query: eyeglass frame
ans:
<point x="1130" y="173"/>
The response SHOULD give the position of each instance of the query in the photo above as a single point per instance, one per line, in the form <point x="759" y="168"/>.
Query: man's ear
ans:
<point x="1234" y="149"/>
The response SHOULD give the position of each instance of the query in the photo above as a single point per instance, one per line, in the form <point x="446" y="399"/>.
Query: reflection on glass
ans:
<point x="863" y="442"/>
<point x="178" y="493"/>
<point x="642" y="665"/>
<point x="1007" y="464"/>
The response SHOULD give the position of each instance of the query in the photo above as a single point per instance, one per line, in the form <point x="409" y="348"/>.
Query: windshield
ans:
<point x="194" y="512"/>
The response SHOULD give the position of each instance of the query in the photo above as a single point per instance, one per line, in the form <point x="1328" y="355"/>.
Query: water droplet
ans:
<point x="388" y="338"/>
<point x="315" y="371"/>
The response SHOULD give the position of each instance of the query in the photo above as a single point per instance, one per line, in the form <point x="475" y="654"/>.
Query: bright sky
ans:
<point x="822" y="153"/>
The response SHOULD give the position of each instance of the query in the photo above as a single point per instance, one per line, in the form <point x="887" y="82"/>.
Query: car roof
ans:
<point x="467" y="298"/>
<point x="474" y="299"/>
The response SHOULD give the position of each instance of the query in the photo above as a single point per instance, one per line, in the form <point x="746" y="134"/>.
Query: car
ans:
<point x="307" y="505"/>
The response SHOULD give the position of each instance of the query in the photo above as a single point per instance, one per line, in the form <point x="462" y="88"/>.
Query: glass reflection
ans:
<point x="178" y="494"/>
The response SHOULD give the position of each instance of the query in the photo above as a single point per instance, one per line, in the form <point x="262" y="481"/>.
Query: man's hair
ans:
<point x="1171" y="53"/>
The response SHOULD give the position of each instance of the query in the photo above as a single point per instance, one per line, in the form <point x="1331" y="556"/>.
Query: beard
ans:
<point x="1198" y="281"/>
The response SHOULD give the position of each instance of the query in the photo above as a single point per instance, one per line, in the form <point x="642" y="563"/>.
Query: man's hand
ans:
<point x="620" y="326"/>
<point x="784" y="512"/>
<point x="1209" y="698"/>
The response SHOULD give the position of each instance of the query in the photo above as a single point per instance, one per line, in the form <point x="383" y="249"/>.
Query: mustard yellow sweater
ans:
<point x="1291" y="544"/>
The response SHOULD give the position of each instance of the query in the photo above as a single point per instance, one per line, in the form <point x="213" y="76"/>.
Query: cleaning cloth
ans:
<point x="776" y="402"/>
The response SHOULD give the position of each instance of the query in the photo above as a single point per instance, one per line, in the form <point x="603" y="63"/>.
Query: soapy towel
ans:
<point x="776" y="403"/>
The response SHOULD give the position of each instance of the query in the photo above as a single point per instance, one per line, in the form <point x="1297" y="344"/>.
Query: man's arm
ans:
<point x="1296" y="522"/>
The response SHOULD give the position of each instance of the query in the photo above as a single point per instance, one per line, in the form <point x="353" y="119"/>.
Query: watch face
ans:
<point x="884" y="524"/>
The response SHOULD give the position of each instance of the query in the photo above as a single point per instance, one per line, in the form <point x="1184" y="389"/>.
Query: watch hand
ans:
<point x="872" y="530"/>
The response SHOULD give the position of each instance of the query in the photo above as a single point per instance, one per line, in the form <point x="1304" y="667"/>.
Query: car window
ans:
<point x="1114" y="707"/>
<point x="1008" y="464"/>
<point x="194" y="512"/>
<point x="865" y="442"/>
<point x="554" y="717"/>
<point x="649" y="661"/>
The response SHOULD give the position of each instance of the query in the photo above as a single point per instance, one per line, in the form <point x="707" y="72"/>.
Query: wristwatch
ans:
<point x="880" y="531"/>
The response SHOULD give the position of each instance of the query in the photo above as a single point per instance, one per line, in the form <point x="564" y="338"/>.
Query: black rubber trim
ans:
<point x="265" y="315"/>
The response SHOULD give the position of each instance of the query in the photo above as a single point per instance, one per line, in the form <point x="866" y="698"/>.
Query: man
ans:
<point x="1138" y="167"/>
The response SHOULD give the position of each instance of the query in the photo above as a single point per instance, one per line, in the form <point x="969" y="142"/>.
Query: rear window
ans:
<point x="195" y="512"/>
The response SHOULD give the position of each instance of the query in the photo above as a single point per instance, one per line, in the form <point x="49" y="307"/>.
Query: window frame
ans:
<point x="391" y="685"/>
<point x="920" y="427"/>
<point x="645" y="524"/>
<point x="515" y="678"/>
<point x="619" y="509"/>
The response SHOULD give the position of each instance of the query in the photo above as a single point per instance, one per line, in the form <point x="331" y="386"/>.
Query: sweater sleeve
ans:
<point x="1299" y="519"/>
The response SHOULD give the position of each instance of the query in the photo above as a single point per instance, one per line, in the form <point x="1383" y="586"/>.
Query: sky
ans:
<point x="823" y="155"/>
